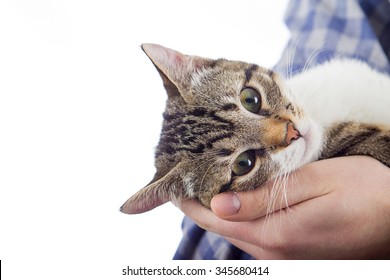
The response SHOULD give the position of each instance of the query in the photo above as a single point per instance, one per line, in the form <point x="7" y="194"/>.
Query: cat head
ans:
<point x="228" y="126"/>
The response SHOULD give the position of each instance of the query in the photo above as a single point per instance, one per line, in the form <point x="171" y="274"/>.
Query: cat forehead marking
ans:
<point x="193" y="130"/>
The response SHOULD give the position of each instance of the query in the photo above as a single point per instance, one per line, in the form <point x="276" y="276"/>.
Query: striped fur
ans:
<point x="205" y="127"/>
<point x="350" y="138"/>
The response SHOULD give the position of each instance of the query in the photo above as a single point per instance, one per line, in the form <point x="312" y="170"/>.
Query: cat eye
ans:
<point x="244" y="163"/>
<point x="250" y="99"/>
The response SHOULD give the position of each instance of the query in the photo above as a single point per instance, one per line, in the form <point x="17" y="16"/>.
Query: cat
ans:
<point x="231" y="126"/>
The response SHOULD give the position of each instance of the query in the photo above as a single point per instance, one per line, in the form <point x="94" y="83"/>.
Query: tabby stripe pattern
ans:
<point x="351" y="138"/>
<point x="182" y="131"/>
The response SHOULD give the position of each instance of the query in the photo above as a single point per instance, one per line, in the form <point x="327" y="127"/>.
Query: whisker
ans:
<point x="312" y="56"/>
<point x="291" y="60"/>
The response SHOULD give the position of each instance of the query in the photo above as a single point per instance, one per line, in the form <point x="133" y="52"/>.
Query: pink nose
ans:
<point x="292" y="133"/>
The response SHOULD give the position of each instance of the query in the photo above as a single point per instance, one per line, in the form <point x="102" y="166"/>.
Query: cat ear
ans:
<point x="154" y="194"/>
<point x="174" y="67"/>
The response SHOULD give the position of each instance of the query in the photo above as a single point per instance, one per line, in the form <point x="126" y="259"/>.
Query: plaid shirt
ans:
<point x="320" y="30"/>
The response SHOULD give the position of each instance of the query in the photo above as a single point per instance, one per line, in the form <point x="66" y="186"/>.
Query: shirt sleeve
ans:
<point x="327" y="29"/>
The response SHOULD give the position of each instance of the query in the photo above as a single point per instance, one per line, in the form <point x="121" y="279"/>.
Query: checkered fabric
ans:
<point x="320" y="30"/>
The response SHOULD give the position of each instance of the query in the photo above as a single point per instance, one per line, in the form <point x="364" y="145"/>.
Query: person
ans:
<point x="341" y="207"/>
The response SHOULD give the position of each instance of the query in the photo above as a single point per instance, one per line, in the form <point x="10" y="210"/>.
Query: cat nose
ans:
<point x="292" y="133"/>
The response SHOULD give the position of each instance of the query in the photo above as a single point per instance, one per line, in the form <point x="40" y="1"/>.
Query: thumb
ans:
<point x="309" y="182"/>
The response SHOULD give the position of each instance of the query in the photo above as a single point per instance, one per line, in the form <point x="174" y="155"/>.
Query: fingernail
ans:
<point x="228" y="204"/>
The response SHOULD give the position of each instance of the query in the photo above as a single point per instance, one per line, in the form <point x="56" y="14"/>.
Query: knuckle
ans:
<point x="277" y="237"/>
<point x="261" y="200"/>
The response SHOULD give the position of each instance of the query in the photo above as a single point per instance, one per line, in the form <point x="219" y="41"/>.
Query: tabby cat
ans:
<point x="230" y="126"/>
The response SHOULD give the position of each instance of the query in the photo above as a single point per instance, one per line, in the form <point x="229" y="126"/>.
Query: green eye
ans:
<point x="250" y="99"/>
<point x="244" y="163"/>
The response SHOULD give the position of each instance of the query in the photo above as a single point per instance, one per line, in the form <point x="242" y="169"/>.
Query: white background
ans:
<point x="80" y="115"/>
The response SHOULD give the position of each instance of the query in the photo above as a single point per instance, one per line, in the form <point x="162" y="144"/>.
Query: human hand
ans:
<point x="337" y="209"/>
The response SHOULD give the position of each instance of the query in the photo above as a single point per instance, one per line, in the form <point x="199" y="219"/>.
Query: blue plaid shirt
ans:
<point x="324" y="29"/>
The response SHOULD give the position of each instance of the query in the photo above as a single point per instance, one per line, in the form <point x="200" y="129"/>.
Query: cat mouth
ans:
<point x="311" y="140"/>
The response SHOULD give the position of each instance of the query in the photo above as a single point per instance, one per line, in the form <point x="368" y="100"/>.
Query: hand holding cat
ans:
<point x="337" y="209"/>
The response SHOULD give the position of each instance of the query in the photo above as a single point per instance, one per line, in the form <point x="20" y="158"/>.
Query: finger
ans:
<point x="207" y="220"/>
<point x="250" y="232"/>
<point x="309" y="182"/>
<point x="270" y="233"/>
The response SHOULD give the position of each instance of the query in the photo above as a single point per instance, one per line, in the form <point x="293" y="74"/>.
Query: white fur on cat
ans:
<point x="343" y="90"/>
<point x="337" y="91"/>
